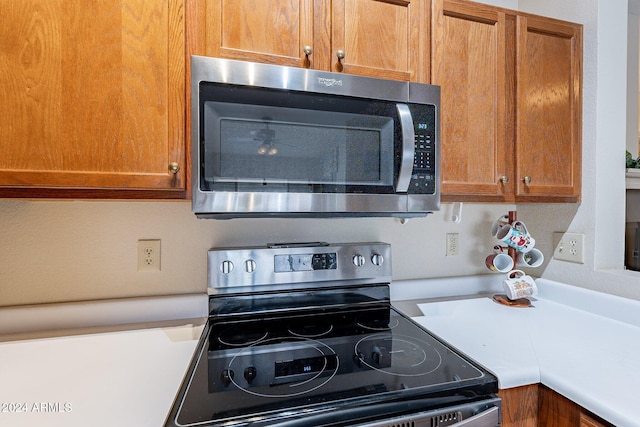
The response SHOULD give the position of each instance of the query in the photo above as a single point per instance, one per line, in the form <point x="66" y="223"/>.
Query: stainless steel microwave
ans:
<point x="274" y="141"/>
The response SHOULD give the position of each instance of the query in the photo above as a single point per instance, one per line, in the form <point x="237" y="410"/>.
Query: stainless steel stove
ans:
<point x="305" y="335"/>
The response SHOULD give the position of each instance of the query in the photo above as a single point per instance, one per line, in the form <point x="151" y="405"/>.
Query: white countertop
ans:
<point x="96" y="363"/>
<point x="584" y="345"/>
<point x="120" y="378"/>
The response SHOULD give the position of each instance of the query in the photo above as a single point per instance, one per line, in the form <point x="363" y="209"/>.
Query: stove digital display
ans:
<point x="307" y="365"/>
<point x="305" y="262"/>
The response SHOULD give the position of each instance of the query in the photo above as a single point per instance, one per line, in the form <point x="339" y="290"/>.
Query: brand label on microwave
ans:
<point x="329" y="82"/>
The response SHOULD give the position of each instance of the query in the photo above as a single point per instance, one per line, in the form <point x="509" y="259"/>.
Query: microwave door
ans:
<point x="258" y="147"/>
<point x="408" y="148"/>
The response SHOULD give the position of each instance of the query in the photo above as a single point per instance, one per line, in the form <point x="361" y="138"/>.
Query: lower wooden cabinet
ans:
<point x="536" y="405"/>
<point x="520" y="406"/>
<point x="587" y="421"/>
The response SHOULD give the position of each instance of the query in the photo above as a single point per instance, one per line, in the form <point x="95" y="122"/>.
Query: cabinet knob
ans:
<point x="527" y="180"/>
<point x="504" y="179"/>
<point x="308" y="50"/>
<point x="174" y="167"/>
<point x="340" y="54"/>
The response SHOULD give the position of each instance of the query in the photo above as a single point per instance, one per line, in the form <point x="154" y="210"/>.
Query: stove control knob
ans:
<point x="249" y="266"/>
<point x="226" y="376"/>
<point x="358" y="260"/>
<point x="381" y="356"/>
<point x="377" y="259"/>
<point x="250" y="373"/>
<point x="358" y="358"/>
<point x="226" y="267"/>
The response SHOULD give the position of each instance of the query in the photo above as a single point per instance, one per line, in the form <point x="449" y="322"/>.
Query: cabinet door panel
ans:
<point x="520" y="406"/>
<point x="548" y="110"/>
<point x="380" y="38"/>
<point x="469" y="65"/>
<point x="92" y="97"/>
<point x="270" y="31"/>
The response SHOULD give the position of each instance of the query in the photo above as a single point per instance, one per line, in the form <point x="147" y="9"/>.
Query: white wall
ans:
<point x="509" y="4"/>
<point x="633" y="36"/>
<point x="56" y="251"/>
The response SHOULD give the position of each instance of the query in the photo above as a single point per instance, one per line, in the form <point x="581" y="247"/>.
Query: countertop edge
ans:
<point x="91" y="314"/>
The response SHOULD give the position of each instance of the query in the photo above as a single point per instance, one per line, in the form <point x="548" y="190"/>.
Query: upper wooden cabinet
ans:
<point x="511" y="104"/>
<point x="548" y="110"/>
<point x="381" y="38"/>
<point x="469" y="63"/>
<point x="376" y="38"/>
<point x="92" y="97"/>
<point x="270" y="31"/>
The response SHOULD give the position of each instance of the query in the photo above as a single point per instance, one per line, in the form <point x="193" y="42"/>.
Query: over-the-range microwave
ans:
<point x="275" y="141"/>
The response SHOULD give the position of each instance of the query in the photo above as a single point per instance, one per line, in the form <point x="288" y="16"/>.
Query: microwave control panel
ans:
<point x="423" y="177"/>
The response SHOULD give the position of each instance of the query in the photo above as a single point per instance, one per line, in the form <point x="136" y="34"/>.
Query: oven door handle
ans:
<point x="488" y="418"/>
<point x="408" y="148"/>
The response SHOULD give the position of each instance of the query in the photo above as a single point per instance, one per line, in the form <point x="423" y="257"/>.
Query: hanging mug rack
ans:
<point x="516" y="248"/>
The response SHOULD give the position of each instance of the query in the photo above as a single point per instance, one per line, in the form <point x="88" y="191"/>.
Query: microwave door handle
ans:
<point x="408" y="148"/>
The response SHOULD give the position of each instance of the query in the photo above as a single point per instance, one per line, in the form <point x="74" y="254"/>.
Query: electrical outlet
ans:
<point x="452" y="244"/>
<point x="149" y="255"/>
<point x="568" y="247"/>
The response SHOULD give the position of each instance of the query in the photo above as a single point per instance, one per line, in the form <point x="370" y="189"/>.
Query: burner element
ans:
<point x="397" y="355"/>
<point x="376" y="323"/>
<point x="242" y="336"/>
<point x="315" y="330"/>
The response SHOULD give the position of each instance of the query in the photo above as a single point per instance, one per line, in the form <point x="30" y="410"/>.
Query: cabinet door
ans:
<point x="548" y="106"/>
<point x="380" y="38"/>
<point x="588" y="421"/>
<point x="268" y="31"/>
<point x="468" y="63"/>
<point x="92" y="96"/>
<point x="520" y="406"/>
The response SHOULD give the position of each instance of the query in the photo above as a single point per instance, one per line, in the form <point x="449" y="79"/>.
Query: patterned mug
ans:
<point x="516" y="236"/>
<point x="519" y="285"/>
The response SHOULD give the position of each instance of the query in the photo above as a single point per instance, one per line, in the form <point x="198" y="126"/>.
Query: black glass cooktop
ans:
<point x="286" y="367"/>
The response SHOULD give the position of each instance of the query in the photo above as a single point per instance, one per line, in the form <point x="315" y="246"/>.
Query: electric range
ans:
<point x="305" y="335"/>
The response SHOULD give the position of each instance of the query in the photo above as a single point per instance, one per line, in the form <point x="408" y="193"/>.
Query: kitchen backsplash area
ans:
<point x="60" y="251"/>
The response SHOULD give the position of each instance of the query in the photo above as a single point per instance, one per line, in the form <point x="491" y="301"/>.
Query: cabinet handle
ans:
<point x="174" y="167"/>
<point x="340" y="54"/>
<point x="504" y="179"/>
<point x="526" y="180"/>
<point x="308" y="50"/>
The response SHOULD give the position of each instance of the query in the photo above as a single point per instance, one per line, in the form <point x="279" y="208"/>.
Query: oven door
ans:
<point x="486" y="413"/>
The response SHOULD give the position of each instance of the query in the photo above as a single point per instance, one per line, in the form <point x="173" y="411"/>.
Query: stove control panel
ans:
<point x="231" y="269"/>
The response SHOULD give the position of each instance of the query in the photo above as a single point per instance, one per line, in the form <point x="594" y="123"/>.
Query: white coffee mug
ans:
<point x="533" y="258"/>
<point x="503" y="220"/>
<point x="499" y="262"/>
<point x="518" y="285"/>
